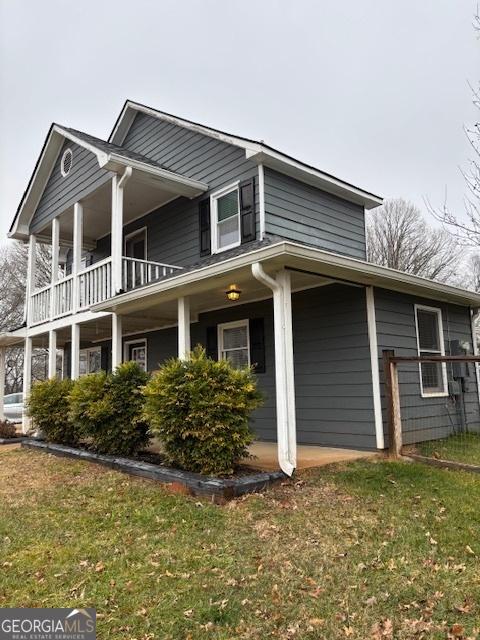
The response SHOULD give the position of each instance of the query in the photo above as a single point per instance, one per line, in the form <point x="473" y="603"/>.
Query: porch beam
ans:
<point x="2" y="382"/>
<point x="118" y="185"/>
<point x="116" y="340"/>
<point x="374" y="364"/>
<point x="27" y="381"/>
<point x="31" y="274"/>
<point x="52" y="354"/>
<point x="77" y="252"/>
<point x="54" y="263"/>
<point x="75" y="352"/>
<point x="184" y="343"/>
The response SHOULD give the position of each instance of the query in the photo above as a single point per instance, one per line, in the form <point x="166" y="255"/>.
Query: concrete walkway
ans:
<point x="307" y="455"/>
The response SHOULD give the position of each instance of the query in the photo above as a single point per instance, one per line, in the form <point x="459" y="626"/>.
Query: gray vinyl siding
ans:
<point x="333" y="376"/>
<point x="334" y="404"/>
<point x="423" y="418"/>
<point x="191" y="154"/>
<point x="60" y="192"/>
<point x="302" y="213"/>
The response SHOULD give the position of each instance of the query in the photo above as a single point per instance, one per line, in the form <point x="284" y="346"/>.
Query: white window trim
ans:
<point x="131" y="235"/>
<point x="233" y="325"/>
<point x="214" y="217"/>
<point x="126" y="348"/>
<point x="87" y="351"/>
<point x="438" y="312"/>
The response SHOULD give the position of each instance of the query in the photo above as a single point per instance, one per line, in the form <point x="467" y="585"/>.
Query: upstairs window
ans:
<point x="433" y="375"/>
<point x="226" y="219"/>
<point x="234" y="343"/>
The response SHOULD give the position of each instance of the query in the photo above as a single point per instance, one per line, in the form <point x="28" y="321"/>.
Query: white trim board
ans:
<point x="374" y="361"/>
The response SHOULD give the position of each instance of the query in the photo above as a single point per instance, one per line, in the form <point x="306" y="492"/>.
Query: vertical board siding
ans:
<point x="423" y="418"/>
<point x="302" y="213"/>
<point x="60" y="192"/>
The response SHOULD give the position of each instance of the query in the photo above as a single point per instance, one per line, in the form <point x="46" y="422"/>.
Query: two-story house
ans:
<point x="172" y="233"/>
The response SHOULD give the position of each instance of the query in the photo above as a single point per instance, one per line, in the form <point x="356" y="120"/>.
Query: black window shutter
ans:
<point x="204" y="214"/>
<point x="247" y="210"/>
<point x="257" y="344"/>
<point x="212" y="343"/>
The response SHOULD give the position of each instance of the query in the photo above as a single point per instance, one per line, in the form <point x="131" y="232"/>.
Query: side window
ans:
<point x="234" y="343"/>
<point x="433" y="375"/>
<point x="136" y="351"/>
<point x="226" y="219"/>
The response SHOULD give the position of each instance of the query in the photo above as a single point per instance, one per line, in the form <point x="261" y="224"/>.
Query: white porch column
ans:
<point x="118" y="185"/>
<point x="77" y="251"/>
<point x="75" y="352"/>
<point x="374" y="362"/>
<point x="30" y="284"/>
<point x="184" y="344"/>
<point x="52" y="354"/>
<point x="117" y="356"/>
<point x="474" y="317"/>
<point x="55" y="258"/>
<point x="2" y="382"/>
<point x="284" y="365"/>
<point x="27" y="381"/>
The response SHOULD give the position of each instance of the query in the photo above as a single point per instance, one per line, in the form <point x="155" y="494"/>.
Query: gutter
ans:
<point x="284" y="382"/>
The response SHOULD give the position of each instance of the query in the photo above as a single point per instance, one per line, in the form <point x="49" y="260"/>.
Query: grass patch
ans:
<point x="464" y="447"/>
<point x="366" y="550"/>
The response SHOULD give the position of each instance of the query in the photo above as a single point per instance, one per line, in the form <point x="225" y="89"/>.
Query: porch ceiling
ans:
<point x="140" y="197"/>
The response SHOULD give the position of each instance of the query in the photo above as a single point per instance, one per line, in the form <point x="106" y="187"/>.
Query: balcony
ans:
<point x="92" y="285"/>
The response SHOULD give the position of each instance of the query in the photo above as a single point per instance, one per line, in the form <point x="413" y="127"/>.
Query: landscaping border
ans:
<point x="193" y="483"/>
<point x="15" y="440"/>
<point x="443" y="464"/>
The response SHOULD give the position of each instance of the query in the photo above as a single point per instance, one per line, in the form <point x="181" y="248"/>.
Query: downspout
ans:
<point x="286" y="435"/>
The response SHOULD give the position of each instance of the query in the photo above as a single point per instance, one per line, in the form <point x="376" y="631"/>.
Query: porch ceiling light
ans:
<point x="233" y="293"/>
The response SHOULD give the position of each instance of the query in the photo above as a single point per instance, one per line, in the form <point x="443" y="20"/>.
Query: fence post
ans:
<point x="392" y="396"/>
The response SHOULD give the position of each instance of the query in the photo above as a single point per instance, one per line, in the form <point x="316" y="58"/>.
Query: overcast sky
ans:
<point x="374" y="91"/>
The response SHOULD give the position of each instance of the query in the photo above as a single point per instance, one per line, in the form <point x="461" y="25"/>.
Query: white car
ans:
<point x="13" y="407"/>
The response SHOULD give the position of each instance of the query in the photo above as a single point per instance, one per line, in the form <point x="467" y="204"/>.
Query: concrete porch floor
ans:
<point x="307" y="455"/>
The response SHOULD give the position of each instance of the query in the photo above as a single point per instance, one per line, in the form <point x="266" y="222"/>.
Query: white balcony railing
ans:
<point x="40" y="305"/>
<point x="94" y="285"/>
<point x="137" y="273"/>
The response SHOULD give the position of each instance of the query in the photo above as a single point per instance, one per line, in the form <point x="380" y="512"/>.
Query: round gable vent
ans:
<point x="66" y="164"/>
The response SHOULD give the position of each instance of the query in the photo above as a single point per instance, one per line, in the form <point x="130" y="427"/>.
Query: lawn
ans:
<point x="464" y="447"/>
<point x="373" y="549"/>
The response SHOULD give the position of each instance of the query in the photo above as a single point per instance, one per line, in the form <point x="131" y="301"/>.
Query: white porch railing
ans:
<point x="137" y="273"/>
<point x="63" y="297"/>
<point x="95" y="283"/>
<point x="40" y="305"/>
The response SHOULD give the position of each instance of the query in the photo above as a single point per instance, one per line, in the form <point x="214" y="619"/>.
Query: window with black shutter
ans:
<point x="242" y="342"/>
<point x="233" y="216"/>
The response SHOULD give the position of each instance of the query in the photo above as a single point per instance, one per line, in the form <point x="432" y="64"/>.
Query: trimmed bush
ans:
<point x="7" y="429"/>
<point x="108" y="409"/>
<point x="48" y="406"/>
<point x="199" y="408"/>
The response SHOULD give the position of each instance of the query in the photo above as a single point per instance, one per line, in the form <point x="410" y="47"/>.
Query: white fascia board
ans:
<point x="313" y="177"/>
<point x="255" y="151"/>
<point x="10" y="338"/>
<point x="176" y="183"/>
<point x="101" y="155"/>
<point x="356" y="270"/>
<point x="118" y="134"/>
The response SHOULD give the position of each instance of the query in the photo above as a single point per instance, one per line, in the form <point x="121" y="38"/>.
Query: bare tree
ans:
<point x="399" y="237"/>
<point x="13" y="274"/>
<point x="473" y="267"/>
<point x="467" y="230"/>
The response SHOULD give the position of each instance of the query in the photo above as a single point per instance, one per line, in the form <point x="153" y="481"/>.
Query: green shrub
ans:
<point x="7" y="429"/>
<point x="199" y="408"/>
<point x="108" y="409"/>
<point x="48" y="406"/>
